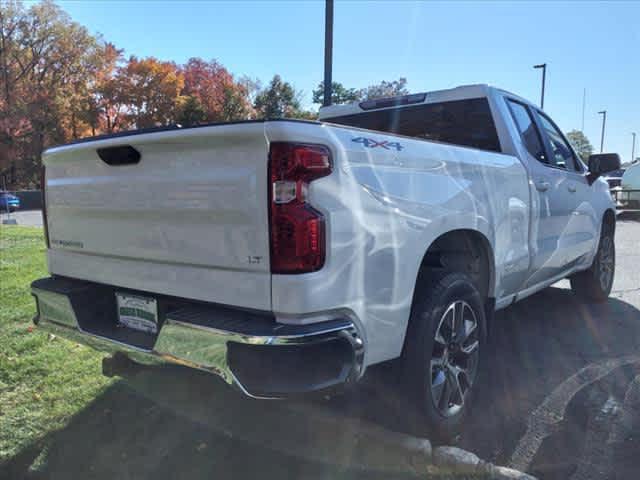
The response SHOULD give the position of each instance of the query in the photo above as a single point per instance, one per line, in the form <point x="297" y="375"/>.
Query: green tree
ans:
<point x="279" y="99"/>
<point x="581" y="143"/>
<point x="252" y="87"/>
<point x="305" y="115"/>
<point x="339" y="94"/>
<point x="191" y="112"/>
<point x="385" y="89"/>
<point x="237" y="105"/>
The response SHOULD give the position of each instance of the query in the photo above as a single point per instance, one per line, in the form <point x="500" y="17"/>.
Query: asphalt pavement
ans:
<point x="27" y="218"/>
<point x="559" y="397"/>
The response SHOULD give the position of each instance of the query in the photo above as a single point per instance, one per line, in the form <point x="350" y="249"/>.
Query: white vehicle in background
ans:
<point x="627" y="195"/>
<point x="289" y="256"/>
<point x="614" y="179"/>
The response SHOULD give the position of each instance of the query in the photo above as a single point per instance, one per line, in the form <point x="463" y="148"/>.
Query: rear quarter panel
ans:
<point x="384" y="207"/>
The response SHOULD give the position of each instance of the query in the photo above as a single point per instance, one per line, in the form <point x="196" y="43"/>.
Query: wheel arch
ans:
<point x="462" y="250"/>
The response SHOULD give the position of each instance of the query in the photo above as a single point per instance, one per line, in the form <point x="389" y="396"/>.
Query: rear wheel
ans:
<point x="595" y="283"/>
<point x="443" y="349"/>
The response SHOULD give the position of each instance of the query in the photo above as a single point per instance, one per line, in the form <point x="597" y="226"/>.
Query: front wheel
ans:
<point x="444" y="344"/>
<point x="595" y="283"/>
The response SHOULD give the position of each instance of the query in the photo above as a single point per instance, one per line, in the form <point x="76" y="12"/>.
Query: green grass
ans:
<point x="44" y="380"/>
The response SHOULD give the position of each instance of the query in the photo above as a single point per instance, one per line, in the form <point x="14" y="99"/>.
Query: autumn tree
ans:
<point x="59" y="83"/>
<point x="211" y="94"/>
<point x="44" y="58"/>
<point x="106" y="110"/>
<point x="150" y="89"/>
<point x="279" y="99"/>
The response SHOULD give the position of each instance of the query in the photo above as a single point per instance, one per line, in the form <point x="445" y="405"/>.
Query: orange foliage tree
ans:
<point x="59" y="83"/>
<point x="211" y="94"/>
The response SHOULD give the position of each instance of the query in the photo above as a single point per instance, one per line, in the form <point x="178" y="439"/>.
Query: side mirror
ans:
<point x="601" y="163"/>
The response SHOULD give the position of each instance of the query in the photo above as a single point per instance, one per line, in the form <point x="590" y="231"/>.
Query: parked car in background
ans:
<point x="288" y="256"/>
<point x="614" y="179"/>
<point x="9" y="202"/>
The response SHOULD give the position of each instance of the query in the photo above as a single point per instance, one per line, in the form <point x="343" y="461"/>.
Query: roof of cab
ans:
<point x="457" y="93"/>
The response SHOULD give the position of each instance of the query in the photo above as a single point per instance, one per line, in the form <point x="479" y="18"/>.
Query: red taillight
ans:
<point x="297" y="229"/>
<point x="43" y="184"/>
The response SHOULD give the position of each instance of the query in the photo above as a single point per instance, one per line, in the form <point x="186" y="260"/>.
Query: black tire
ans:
<point x="595" y="283"/>
<point x="423" y="376"/>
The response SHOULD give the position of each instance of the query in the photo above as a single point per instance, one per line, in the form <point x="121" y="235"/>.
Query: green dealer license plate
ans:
<point x="138" y="313"/>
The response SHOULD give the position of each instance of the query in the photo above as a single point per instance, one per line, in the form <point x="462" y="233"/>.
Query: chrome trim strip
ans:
<point x="191" y="345"/>
<point x="257" y="339"/>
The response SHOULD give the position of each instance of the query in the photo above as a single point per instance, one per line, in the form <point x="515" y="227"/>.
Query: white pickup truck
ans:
<point x="288" y="256"/>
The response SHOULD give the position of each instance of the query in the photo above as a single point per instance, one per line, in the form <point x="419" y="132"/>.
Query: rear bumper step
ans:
<point x="249" y="350"/>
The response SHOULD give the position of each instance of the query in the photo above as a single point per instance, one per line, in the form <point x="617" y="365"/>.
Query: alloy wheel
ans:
<point x="454" y="359"/>
<point x="607" y="263"/>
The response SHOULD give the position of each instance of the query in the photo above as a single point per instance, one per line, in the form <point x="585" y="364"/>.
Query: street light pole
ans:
<point x="328" y="51"/>
<point x="543" y="66"/>
<point x="633" y="147"/>
<point x="604" y="122"/>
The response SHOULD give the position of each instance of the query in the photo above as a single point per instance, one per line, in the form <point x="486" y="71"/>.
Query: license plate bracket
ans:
<point x="137" y="312"/>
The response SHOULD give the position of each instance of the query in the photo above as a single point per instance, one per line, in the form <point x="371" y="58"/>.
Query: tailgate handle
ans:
<point x="121" y="155"/>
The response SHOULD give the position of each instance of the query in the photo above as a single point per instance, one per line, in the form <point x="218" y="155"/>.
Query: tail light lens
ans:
<point x="297" y="230"/>
<point x="43" y="186"/>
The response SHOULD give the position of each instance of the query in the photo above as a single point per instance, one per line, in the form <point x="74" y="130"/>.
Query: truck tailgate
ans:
<point x="190" y="219"/>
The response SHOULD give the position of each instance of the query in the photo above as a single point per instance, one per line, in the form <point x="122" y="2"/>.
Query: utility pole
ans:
<point x="633" y="147"/>
<point x="543" y="66"/>
<point x="604" y="122"/>
<point x="328" y="51"/>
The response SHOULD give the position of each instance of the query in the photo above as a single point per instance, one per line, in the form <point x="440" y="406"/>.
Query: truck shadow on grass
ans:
<point x="192" y="428"/>
<point x="174" y="423"/>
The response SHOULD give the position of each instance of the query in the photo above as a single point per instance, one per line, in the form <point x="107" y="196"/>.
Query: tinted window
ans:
<point x="562" y="155"/>
<point x="462" y="122"/>
<point x="528" y="131"/>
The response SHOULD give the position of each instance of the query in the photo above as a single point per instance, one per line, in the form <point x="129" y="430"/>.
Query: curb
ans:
<point x="454" y="459"/>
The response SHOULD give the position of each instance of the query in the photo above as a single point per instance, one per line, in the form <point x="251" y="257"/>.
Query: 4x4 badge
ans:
<point x="371" y="143"/>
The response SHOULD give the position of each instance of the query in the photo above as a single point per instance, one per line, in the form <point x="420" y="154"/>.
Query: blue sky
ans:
<point x="588" y="45"/>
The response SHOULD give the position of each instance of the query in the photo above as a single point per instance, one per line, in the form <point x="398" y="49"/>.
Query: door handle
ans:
<point x="542" y="185"/>
<point x="572" y="188"/>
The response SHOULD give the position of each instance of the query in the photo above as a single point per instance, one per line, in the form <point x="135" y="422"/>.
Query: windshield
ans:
<point x="462" y="122"/>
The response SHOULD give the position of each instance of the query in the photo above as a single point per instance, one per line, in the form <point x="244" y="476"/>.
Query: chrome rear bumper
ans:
<point x="262" y="358"/>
